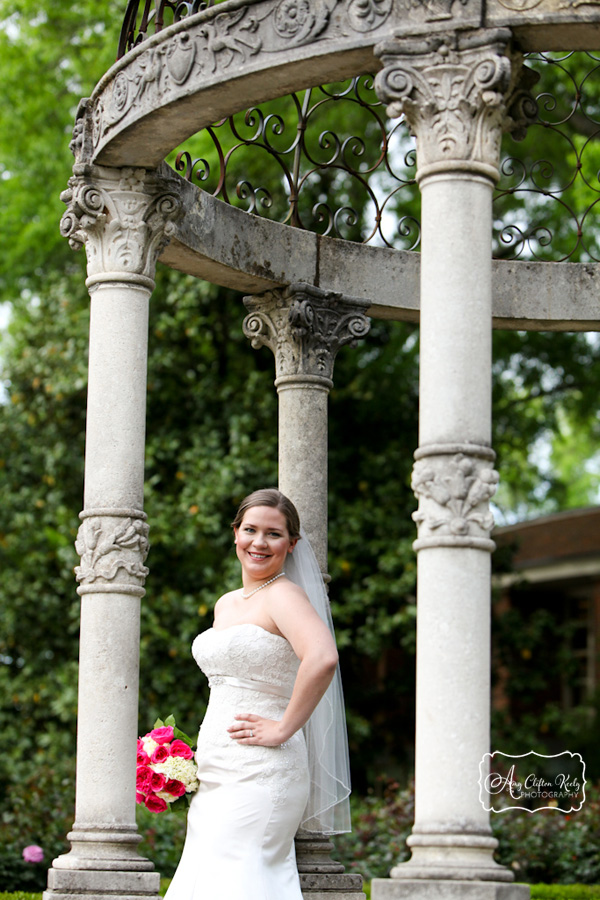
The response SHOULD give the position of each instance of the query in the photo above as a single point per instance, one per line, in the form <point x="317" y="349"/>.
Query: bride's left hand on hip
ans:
<point x="251" y="729"/>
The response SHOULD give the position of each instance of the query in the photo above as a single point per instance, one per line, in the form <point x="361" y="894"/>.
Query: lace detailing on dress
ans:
<point x="248" y="652"/>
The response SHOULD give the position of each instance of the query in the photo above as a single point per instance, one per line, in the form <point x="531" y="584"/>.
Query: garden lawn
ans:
<point x="538" y="892"/>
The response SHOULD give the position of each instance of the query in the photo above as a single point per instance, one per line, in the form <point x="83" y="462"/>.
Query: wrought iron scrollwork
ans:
<point x="287" y="161"/>
<point x="155" y="15"/>
<point x="546" y="207"/>
<point x="328" y="160"/>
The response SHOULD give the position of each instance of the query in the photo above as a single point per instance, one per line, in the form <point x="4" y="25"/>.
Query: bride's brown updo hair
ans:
<point x="276" y="500"/>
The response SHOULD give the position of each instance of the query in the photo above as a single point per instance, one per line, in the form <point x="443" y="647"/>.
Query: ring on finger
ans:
<point x="251" y="733"/>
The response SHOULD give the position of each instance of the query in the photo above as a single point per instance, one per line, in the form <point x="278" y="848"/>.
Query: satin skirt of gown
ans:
<point x="243" y="818"/>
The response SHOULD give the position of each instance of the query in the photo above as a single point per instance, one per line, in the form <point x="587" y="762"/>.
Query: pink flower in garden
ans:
<point x="160" y="754"/>
<point x="175" y="788"/>
<point x="155" y="804"/>
<point x="180" y="748"/>
<point x="143" y="778"/>
<point x="33" y="854"/>
<point x="162" y="735"/>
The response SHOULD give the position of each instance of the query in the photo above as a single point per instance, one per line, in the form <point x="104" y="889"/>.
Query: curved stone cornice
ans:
<point x="252" y="254"/>
<point x="237" y="54"/>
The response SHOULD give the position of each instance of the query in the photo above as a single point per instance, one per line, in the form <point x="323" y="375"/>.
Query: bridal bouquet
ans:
<point x="166" y="769"/>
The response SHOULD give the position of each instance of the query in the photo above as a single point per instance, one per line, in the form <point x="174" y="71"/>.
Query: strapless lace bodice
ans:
<point x="246" y="651"/>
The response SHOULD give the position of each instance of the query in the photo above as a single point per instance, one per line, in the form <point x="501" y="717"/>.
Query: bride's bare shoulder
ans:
<point x="225" y="599"/>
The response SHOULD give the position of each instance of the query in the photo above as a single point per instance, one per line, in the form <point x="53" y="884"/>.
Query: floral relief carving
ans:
<point x="454" y="494"/>
<point x="305" y="327"/>
<point x="435" y="10"/>
<point x="153" y="75"/>
<point x="123" y="217"/>
<point x="366" y="15"/>
<point x="454" y="91"/>
<point x="106" y="547"/>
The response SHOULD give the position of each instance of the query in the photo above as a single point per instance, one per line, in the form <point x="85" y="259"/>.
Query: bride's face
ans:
<point x="262" y="542"/>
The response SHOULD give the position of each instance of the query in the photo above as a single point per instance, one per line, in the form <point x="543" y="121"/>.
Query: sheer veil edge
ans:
<point x="328" y="807"/>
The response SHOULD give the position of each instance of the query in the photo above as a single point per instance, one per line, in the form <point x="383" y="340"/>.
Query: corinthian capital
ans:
<point x="124" y="217"/>
<point x="305" y="327"/>
<point x="459" y="91"/>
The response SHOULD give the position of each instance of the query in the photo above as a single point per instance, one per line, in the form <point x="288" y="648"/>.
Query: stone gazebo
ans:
<point x="455" y="72"/>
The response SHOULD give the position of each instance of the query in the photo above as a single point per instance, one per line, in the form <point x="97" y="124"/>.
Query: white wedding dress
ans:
<point x="243" y="818"/>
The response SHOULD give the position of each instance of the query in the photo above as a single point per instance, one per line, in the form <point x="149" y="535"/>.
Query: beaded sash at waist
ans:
<point x="262" y="686"/>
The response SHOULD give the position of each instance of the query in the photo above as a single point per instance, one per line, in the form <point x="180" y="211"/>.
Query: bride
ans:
<point x="272" y="750"/>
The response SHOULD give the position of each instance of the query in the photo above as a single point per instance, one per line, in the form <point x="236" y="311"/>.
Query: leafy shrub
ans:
<point x="550" y="846"/>
<point x="38" y="809"/>
<point x="546" y="846"/>
<point x="380" y="826"/>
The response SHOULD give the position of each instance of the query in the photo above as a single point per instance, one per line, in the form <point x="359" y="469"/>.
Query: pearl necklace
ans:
<point x="261" y="586"/>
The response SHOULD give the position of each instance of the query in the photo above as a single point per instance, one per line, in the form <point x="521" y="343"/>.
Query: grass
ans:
<point x="538" y="892"/>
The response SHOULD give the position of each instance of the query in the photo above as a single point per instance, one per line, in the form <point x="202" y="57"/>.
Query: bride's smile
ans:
<point x="262" y="543"/>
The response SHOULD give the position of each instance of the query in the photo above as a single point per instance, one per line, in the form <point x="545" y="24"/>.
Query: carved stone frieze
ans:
<point x="436" y="10"/>
<point x="454" y="486"/>
<point x="454" y="89"/>
<point x="113" y="546"/>
<point x="305" y="327"/>
<point x="220" y="41"/>
<point x="124" y="217"/>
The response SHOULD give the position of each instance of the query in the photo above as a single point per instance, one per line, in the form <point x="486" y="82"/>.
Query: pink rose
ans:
<point x="175" y="788"/>
<point x="155" y="804"/>
<point x="139" y="797"/>
<point x="160" y="754"/>
<point x="157" y="782"/>
<point x="142" y="756"/>
<point x="162" y="735"/>
<point x="143" y="778"/>
<point x="180" y="748"/>
<point x="33" y="853"/>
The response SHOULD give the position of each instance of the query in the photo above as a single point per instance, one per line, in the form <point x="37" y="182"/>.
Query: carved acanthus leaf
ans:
<point x="123" y="217"/>
<point x="305" y="327"/>
<point x="454" y="494"/>
<point x="454" y="90"/>
<point x="109" y="546"/>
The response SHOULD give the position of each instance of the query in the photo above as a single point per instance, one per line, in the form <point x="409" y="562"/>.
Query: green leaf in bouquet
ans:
<point x="182" y="736"/>
<point x="158" y="724"/>
<point x="170" y="720"/>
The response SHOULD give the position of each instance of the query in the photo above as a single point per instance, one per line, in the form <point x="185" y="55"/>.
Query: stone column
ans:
<point x="455" y="91"/>
<point x="305" y="326"/>
<point x="123" y="217"/>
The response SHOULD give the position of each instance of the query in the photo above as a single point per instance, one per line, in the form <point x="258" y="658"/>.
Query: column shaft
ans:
<point x="116" y="411"/>
<point x="456" y="319"/>
<point x="122" y="217"/>
<point x="303" y="457"/>
<point x="453" y="89"/>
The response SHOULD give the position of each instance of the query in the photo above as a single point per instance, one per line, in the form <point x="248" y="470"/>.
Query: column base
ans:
<point x="321" y="878"/>
<point x="332" y="887"/>
<point x="87" y="884"/>
<point x="431" y="889"/>
<point x="102" y="863"/>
